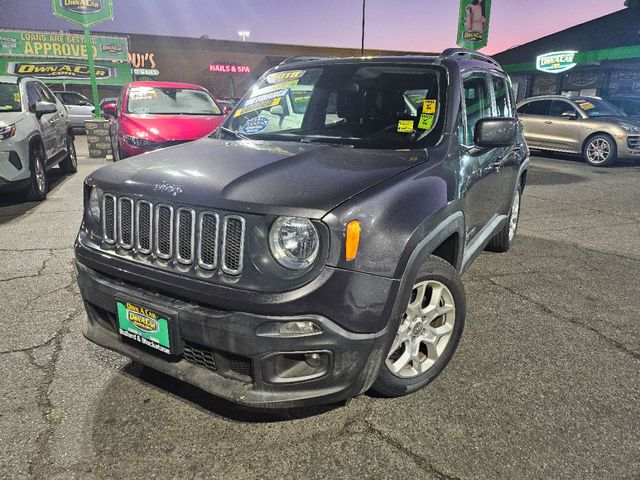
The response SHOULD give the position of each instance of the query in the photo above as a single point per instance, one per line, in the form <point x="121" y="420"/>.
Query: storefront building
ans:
<point x="600" y="57"/>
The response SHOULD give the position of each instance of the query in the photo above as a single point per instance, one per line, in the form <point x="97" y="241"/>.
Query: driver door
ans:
<point x="46" y="123"/>
<point x="565" y="127"/>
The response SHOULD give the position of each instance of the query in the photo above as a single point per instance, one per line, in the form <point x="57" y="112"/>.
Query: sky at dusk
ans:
<point x="413" y="25"/>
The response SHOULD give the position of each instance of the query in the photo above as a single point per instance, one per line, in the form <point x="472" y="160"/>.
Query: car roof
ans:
<point x="15" y="79"/>
<point x="560" y="97"/>
<point x="165" y="85"/>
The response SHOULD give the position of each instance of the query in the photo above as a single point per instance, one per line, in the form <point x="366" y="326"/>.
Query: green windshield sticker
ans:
<point x="429" y="106"/>
<point x="425" y="122"/>
<point x="405" y="126"/>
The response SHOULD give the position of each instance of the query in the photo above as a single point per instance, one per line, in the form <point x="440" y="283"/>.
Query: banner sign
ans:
<point x="66" y="72"/>
<point x="84" y="12"/>
<point x="473" y="24"/>
<point x="556" y="62"/>
<point x="17" y="43"/>
<point x="229" y="68"/>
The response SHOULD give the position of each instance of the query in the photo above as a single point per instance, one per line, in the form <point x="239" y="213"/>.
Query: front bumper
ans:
<point x="241" y="366"/>
<point x="629" y="147"/>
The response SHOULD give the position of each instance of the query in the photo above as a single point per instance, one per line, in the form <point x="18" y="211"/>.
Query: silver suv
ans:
<point x="35" y="135"/>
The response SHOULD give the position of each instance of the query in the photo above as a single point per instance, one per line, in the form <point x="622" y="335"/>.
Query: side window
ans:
<point x="477" y="102"/>
<point x="503" y="99"/>
<point x="537" y="107"/>
<point x="45" y="93"/>
<point x="558" y="107"/>
<point x="33" y="96"/>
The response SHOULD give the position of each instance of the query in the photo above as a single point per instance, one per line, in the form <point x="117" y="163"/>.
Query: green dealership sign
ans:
<point x="84" y="12"/>
<point x="22" y="43"/>
<point x="473" y="24"/>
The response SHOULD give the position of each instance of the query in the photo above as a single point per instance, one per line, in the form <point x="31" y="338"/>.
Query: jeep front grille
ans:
<point x="181" y="234"/>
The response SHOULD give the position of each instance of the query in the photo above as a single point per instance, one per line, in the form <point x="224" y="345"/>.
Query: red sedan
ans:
<point x="152" y="115"/>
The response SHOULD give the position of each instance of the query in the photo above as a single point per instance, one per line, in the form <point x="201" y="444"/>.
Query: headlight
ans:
<point x="139" y="142"/>
<point x="294" y="242"/>
<point x="94" y="204"/>
<point x="627" y="127"/>
<point x="7" y="131"/>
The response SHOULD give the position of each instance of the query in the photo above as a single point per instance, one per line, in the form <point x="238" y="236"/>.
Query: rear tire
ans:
<point x="429" y="331"/>
<point x="38" y="185"/>
<point x="600" y="151"/>
<point x="70" y="163"/>
<point x="503" y="240"/>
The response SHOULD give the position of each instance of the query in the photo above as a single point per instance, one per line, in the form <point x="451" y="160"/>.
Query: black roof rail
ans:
<point x="470" y="54"/>
<point x="304" y="58"/>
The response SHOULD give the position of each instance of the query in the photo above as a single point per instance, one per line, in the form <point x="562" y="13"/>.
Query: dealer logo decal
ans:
<point x="82" y="6"/>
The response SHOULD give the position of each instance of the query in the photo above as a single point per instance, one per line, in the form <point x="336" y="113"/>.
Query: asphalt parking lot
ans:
<point x="545" y="384"/>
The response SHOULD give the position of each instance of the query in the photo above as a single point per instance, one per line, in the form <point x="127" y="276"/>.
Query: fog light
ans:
<point x="313" y="359"/>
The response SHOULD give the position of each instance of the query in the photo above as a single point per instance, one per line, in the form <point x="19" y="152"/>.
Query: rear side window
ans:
<point x="503" y="99"/>
<point x="538" y="107"/>
<point x="477" y="102"/>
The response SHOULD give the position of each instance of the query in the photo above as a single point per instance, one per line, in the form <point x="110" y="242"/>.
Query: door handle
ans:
<point x="548" y="122"/>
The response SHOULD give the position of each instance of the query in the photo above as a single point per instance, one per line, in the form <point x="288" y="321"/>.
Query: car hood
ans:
<point x="283" y="178"/>
<point x="7" y="118"/>
<point x="162" y="128"/>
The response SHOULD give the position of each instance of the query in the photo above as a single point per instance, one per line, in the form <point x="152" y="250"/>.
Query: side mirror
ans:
<point x="570" y="114"/>
<point x="277" y="110"/>
<point x="43" y="108"/>
<point x="109" y="109"/>
<point x="495" y="132"/>
<point x="227" y="109"/>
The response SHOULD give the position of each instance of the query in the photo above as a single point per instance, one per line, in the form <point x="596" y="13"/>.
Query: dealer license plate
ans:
<point x="144" y="325"/>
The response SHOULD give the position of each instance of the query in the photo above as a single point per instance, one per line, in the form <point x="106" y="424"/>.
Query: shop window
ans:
<point x="544" y="84"/>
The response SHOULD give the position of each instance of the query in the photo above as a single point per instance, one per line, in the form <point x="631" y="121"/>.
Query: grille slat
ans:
<point x="164" y="231"/>
<point x="185" y="235"/>
<point x="125" y="222"/>
<point x="144" y="226"/>
<point x="182" y="235"/>
<point x="633" y="143"/>
<point x="208" y="245"/>
<point x="232" y="244"/>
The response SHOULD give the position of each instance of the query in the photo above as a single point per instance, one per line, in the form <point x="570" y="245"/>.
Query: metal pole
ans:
<point x="92" y="72"/>
<point x="362" y="44"/>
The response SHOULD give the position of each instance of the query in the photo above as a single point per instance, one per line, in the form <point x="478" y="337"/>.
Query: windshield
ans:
<point x="170" y="101"/>
<point x="595" y="107"/>
<point x="10" y="98"/>
<point x="373" y="105"/>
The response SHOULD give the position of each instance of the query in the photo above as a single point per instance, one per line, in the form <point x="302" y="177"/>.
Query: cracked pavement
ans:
<point x="545" y="383"/>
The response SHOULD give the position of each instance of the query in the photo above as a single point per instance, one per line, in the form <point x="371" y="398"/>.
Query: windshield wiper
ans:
<point x="233" y="132"/>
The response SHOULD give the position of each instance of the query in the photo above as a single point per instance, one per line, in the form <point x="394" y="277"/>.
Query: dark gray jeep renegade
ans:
<point x="311" y="248"/>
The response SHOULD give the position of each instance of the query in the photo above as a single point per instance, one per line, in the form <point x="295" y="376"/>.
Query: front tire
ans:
<point x="115" y="151"/>
<point x="503" y="240"/>
<point x="600" y="151"/>
<point x="38" y="184"/>
<point x="70" y="163"/>
<point x="429" y="331"/>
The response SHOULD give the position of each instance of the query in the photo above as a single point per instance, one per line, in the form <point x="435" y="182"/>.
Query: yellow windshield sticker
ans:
<point x="262" y="105"/>
<point x="429" y="106"/>
<point x="587" y="105"/>
<point x="16" y="96"/>
<point x="405" y="126"/>
<point x="279" y="77"/>
<point x="425" y="122"/>
<point x="273" y="88"/>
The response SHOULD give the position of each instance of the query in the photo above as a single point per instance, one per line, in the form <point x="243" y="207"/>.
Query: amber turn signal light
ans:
<point x="352" y="240"/>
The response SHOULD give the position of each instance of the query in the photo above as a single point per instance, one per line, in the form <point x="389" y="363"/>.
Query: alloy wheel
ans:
<point x="513" y="219"/>
<point x="40" y="175"/>
<point x="598" y="151"/>
<point x="71" y="148"/>
<point x="425" y="330"/>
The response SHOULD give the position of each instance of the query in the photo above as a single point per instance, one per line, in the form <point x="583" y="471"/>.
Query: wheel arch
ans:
<point x="594" y="134"/>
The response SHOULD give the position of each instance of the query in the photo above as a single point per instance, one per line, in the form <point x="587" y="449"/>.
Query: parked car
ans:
<point x="152" y="115"/>
<point x="109" y="104"/>
<point x="79" y="107"/>
<point x="308" y="264"/>
<point x="629" y="104"/>
<point x="225" y="105"/>
<point x="589" y="126"/>
<point x="35" y="135"/>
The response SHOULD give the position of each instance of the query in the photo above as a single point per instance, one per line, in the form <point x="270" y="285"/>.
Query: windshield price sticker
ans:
<point x="261" y="102"/>
<point x="273" y="88"/>
<point x="586" y="105"/>
<point x="405" y="126"/>
<point x="279" y="77"/>
<point x="16" y="97"/>
<point x="429" y="106"/>
<point x="425" y="122"/>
